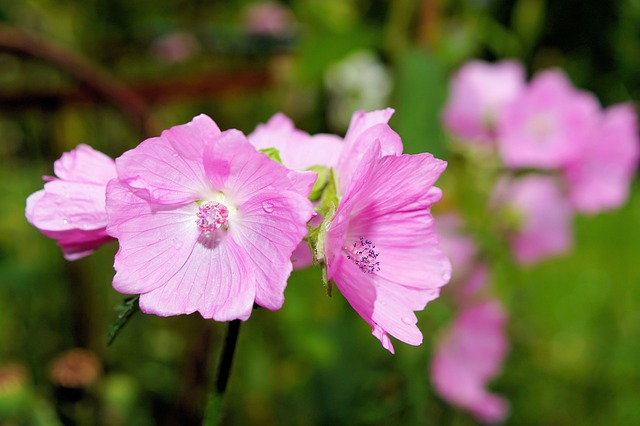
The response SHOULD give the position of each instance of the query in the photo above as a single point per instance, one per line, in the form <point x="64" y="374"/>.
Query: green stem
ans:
<point x="214" y="406"/>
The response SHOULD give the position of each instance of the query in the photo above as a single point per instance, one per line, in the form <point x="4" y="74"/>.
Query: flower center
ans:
<point x="363" y="255"/>
<point x="211" y="216"/>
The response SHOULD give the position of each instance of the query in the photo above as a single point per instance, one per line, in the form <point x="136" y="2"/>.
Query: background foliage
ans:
<point x="575" y="320"/>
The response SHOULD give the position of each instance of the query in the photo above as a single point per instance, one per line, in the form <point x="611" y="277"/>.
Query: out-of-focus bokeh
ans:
<point x="109" y="73"/>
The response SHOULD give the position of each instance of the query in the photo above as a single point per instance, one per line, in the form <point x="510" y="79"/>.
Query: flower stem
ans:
<point x="216" y="395"/>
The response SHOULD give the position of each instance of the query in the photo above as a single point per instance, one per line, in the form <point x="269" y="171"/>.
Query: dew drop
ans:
<point x="446" y="275"/>
<point x="176" y="243"/>
<point x="65" y="221"/>
<point x="267" y="207"/>
<point x="407" y="320"/>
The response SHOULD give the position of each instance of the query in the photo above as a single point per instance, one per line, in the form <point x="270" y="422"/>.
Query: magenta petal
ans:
<point x="155" y="242"/>
<point x="361" y="121"/>
<point x="365" y="130"/>
<point x="85" y="164"/>
<point x="545" y="219"/>
<point x="270" y="227"/>
<point x="478" y="93"/>
<point x="302" y="256"/>
<point x="63" y="206"/>
<point x="189" y="139"/>
<point x="546" y="126"/>
<point x="237" y="169"/>
<point x="380" y="247"/>
<point x="159" y="172"/>
<point x="599" y="179"/>
<point x="71" y="207"/>
<point x="298" y="150"/>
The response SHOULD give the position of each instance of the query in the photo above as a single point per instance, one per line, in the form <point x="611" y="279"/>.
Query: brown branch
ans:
<point x="160" y="91"/>
<point x="96" y="80"/>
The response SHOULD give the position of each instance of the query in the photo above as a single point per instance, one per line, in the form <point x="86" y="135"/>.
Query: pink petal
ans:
<point x="85" y="164"/>
<point x="167" y="170"/>
<point x="235" y="168"/>
<point x="546" y="126"/>
<point x="298" y="150"/>
<point x="599" y="179"/>
<point x="155" y="241"/>
<point x="63" y="206"/>
<point x="215" y="281"/>
<point x="188" y="140"/>
<point x="471" y="354"/>
<point x="545" y="229"/>
<point x="365" y="130"/>
<point x="270" y="226"/>
<point x="478" y="93"/>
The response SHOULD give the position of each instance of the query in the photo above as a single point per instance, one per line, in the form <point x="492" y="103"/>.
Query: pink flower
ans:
<point x="71" y="207"/>
<point x="459" y="247"/>
<point x="470" y="354"/>
<point x="599" y="178"/>
<point x="268" y="18"/>
<point x="380" y="247"/>
<point x="543" y="217"/>
<point x="546" y="125"/>
<point x="478" y="93"/>
<point x="205" y="223"/>
<point x="298" y="150"/>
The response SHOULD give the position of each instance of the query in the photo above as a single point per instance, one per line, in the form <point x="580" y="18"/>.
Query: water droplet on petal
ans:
<point x="267" y="206"/>
<point x="407" y="320"/>
<point x="176" y="243"/>
<point x="446" y="275"/>
<point x="65" y="221"/>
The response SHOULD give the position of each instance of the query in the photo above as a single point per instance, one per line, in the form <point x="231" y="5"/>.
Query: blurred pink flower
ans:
<point x="177" y="46"/>
<point x="542" y="216"/>
<point x="546" y="125"/>
<point x="478" y="93"/>
<point x="71" y="207"/>
<point x="268" y="18"/>
<point x="469" y="355"/>
<point x="599" y="178"/>
<point x="205" y="223"/>
<point x="298" y="150"/>
<point x="380" y="247"/>
<point x="458" y="246"/>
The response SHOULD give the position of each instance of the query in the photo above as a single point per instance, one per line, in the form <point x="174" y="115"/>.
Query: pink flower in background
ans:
<point x="543" y="216"/>
<point x="205" y="223"/>
<point x="298" y="150"/>
<point x="71" y="207"/>
<point x="268" y="18"/>
<point x="177" y="46"/>
<point x="545" y="127"/>
<point x="365" y="129"/>
<point x="470" y="354"/>
<point x="477" y="95"/>
<point x="599" y="178"/>
<point x="457" y="245"/>
<point x="380" y="248"/>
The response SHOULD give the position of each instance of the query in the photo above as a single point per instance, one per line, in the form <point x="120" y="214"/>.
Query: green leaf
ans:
<point x="272" y="153"/>
<point x="125" y="310"/>
<point x="321" y="183"/>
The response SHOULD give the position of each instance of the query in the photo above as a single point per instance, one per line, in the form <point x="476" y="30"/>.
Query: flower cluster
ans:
<point x="214" y="221"/>
<point x="562" y="151"/>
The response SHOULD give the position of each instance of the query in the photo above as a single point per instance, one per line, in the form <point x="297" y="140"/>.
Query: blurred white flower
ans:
<point x="358" y="82"/>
